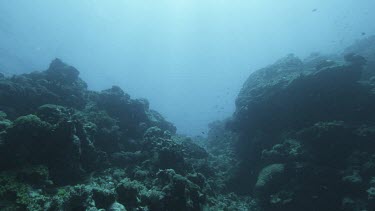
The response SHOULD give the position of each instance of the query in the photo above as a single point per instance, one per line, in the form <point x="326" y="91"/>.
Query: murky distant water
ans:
<point x="189" y="58"/>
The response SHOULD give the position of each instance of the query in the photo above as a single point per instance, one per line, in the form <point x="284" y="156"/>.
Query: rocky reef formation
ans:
<point x="64" y="147"/>
<point x="301" y="138"/>
<point x="305" y="133"/>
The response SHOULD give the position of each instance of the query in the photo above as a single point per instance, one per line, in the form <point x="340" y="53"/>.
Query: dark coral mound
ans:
<point x="305" y="133"/>
<point x="63" y="147"/>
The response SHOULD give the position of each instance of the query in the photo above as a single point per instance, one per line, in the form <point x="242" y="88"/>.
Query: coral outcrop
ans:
<point x="64" y="147"/>
<point x="305" y="132"/>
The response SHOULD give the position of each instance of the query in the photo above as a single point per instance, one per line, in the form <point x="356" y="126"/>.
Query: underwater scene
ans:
<point x="187" y="105"/>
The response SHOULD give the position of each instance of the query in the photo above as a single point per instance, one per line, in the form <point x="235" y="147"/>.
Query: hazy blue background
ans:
<point x="189" y="58"/>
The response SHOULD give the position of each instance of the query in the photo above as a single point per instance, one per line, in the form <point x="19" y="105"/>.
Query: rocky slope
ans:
<point x="63" y="147"/>
<point x="301" y="138"/>
<point x="305" y="133"/>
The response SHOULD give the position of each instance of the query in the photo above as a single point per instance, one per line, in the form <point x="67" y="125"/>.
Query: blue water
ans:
<point x="189" y="58"/>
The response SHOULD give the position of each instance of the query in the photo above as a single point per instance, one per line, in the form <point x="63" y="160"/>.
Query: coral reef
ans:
<point x="64" y="147"/>
<point x="304" y="132"/>
<point x="301" y="138"/>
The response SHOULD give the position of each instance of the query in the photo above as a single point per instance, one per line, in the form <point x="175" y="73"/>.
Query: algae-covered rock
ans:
<point x="103" y="198"/>
<point x="59" y="72"/>
<point x="63" y="146"/>
<point x="291" y="100"/>
<point x="154" y="132"/>
<point x="129" y="193"/>
<point x="95" y="150"/>
<point x="314" y="116"/>
<point x="287" y="151"/>
<point x="59" y="84"/>
<point x="4" y="123"/>
<point x="270" y="176"/>
<point x="26" y="139"/>
<point x="53" y="113"/>
<point x="23" y="187"/>
<point x="366" y="48"/>
<point x="353" y="179"/>
<point x="156" y="119"/>
<point x="2" y="115"/>
<point x="180" y="193"/>
<point x="117" y="207"/>
<point x="134" y="116"/>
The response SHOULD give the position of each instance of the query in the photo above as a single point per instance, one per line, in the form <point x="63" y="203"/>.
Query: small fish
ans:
<point x="314" y="10"/>
<point x="363" y="33"/>
<point x="203" y="132"/>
